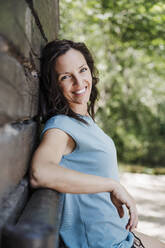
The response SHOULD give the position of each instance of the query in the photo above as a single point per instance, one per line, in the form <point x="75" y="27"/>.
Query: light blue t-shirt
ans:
<point x="90" y="220"/>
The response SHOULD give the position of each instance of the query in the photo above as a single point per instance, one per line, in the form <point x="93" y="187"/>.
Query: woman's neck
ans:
<point x="81" y="110"/>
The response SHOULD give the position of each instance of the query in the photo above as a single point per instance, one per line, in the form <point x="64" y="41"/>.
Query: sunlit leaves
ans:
<point x="127" y="39"/>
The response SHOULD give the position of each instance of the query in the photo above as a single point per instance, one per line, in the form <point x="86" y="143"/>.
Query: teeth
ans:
<point x="80" y="91"/>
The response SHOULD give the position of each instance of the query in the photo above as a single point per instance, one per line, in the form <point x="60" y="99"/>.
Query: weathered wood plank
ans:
<point x="16" y="145"/>
<point x="25" y="27"/>
<point x="39" y="224"/>
<point x="17" y="24"/>
<point x="12" y="205"/>
<point x="45" y="9"/>
<point x="29" y="24"/>
<point x="18" y="91"/>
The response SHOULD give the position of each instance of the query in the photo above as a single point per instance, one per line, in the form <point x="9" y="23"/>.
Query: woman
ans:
<point x="77" y="158"/>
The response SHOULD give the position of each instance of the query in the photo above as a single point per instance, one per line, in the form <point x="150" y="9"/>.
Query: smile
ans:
<point x="78" y="92"/>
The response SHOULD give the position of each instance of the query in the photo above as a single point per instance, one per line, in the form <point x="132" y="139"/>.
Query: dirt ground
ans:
<point x="149" y="193"/>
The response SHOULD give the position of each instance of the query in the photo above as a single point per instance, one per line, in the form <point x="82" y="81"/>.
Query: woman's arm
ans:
<point x="46" y="172"/>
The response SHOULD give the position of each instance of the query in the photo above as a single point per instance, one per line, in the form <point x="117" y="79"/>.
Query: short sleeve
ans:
<point x="62" y="122"/>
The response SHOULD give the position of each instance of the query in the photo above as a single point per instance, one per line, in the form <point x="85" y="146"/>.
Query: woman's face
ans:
<point x="74" y="78"/>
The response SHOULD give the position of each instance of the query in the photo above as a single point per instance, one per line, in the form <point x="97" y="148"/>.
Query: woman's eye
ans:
<point x="64" y="77"/>
<point x="83" y="69"/>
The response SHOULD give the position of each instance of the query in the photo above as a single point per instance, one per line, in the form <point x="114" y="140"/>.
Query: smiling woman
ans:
<point x="75" y="80"/>
<point x="77" y="158"/>
<point x="67" y="65"/>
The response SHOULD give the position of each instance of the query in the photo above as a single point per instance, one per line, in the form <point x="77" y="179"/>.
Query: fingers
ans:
<point x="118" y="205"/>
<point x="133" y="220"/>
<point x="120" y="196"/>
<point x="120" y="211"/>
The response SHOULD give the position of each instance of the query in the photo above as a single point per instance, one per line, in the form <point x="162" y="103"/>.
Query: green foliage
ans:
<point x="133" y="21"/>
<point x="127" y="39"/>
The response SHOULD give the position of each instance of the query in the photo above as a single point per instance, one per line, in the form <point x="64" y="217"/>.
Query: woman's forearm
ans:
<point x="69" y="181"/>
<point x="53" y="176"/>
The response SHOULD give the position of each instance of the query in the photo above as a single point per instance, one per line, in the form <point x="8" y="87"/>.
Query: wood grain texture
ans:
<point x="25" y="27"/>
<point x="16" y="146"/>
<point x="19" y="92"/>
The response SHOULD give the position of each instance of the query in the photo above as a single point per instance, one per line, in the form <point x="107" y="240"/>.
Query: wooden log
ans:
<point x="19" y="92"/>
<point x="16" y="146"/>
<point x="28" y="235"/>
<point x="12" y="205"/>
<point x="38" y="226"/>
<point x="45" y="9"/>
<point x="29" y="24"/>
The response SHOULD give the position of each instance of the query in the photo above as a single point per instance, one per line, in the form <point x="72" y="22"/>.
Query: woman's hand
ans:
<point x="120" y="196"/>
<point x="46" y="173"/>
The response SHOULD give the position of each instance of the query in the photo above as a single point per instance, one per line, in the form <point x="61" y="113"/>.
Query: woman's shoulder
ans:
<point x="60" y="121"/>
<point x="59" y="117"/>
<point x="63" y="119"/>
<point x="68" y="124"/>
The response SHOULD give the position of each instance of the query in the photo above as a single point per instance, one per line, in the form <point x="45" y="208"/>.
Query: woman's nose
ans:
<point x="78" y="80"/>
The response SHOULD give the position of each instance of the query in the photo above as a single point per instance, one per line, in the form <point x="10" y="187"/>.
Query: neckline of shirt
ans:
<point x="88" y="118"/>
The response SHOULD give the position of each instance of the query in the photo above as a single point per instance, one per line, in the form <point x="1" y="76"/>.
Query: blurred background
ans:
<point x="127" y="40"/>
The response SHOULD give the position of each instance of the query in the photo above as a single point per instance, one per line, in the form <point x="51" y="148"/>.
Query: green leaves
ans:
<point x="137" y="23"/>
<point x="127" y="40"/>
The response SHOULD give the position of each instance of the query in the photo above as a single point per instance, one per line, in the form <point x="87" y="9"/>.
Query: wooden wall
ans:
<point x="25" y="26"/>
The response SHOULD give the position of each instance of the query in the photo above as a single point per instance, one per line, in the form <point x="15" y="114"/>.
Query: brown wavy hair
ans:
<point x="52" y="100"/>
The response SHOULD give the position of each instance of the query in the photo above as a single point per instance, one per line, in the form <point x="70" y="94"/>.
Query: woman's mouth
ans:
<point x="79" y="92"/>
